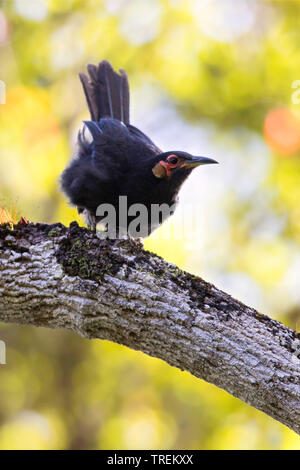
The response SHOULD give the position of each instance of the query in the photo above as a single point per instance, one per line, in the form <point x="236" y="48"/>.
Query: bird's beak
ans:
<point x="196" y="161"/>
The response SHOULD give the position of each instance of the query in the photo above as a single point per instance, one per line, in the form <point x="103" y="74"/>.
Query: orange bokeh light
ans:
<point x="282" y="131"/>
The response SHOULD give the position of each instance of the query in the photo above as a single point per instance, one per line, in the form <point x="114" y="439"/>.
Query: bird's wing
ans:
<point x="109" y="148"/>
<point x="106" y="92"/>
<point x="135" y="132"/>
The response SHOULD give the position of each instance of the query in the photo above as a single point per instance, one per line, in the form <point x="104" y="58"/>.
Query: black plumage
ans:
<point x="120" y="160"/>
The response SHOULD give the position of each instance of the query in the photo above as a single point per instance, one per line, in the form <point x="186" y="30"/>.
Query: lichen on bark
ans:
<point x="62" y="277"/>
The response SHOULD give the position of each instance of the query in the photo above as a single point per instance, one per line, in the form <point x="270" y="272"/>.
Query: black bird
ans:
<point x="121" y="160"/>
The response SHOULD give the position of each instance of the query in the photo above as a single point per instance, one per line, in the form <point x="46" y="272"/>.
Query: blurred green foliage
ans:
<point x="222" y="75"/>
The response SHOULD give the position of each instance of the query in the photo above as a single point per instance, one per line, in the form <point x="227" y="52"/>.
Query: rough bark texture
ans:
<point x="56" y="277"/>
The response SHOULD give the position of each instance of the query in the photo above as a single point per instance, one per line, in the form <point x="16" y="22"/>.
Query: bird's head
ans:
<point x="177" y="165"/>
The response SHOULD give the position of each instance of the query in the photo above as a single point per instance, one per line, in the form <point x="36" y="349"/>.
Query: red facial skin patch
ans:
<point x="168" y="166"/>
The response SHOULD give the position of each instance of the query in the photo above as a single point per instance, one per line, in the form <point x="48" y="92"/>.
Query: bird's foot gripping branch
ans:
<point x="60" y="277"/>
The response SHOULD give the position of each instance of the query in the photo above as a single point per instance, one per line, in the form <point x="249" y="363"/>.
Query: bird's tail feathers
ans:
<point x="106" y="92"/>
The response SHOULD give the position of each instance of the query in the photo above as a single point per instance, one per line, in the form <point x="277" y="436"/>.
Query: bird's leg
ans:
<point x="90" y="220"/>
<point x="139" y="241"/>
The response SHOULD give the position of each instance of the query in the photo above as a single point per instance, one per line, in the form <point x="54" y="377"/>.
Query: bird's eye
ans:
<point x="172" y="159"/>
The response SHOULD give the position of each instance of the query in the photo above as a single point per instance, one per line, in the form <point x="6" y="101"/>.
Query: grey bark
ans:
<point x="56" y="277"/>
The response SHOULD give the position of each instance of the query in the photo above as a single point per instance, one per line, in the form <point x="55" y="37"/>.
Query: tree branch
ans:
<point x="56" y="277"/>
